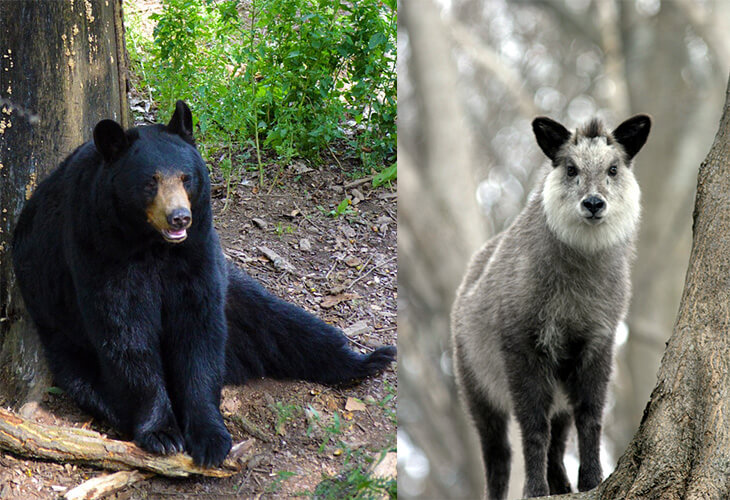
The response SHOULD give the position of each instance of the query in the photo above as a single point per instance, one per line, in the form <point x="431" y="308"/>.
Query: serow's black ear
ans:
<point x="110" y="139"/>
<point x="181" y="122"/>
<point x="632" y="133"/>
<point x="550" y="135"/>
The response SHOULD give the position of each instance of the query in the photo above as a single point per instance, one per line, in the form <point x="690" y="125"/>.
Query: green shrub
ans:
<point x="289" y="77"/>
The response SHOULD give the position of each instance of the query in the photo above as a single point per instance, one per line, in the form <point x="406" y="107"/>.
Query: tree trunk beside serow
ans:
<point x="682" y="447"/>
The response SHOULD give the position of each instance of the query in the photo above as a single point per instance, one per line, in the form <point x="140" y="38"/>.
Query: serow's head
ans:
<point x="155" y="172"/>
<point x="591" y="197"/>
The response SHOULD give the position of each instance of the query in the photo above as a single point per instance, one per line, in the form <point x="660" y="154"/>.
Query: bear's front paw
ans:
<point x="164" y="438"/>
<point x="208" y="443"/>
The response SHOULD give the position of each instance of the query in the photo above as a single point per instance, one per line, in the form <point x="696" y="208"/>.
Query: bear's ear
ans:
<point x="110" y="139"/>
<point x="181" y="122"/>
<point x="632" y="133"/>
<point x="550" y="135"/>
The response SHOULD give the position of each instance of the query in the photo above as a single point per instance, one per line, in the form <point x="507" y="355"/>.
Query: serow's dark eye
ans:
<point x="185" y="177"/>
<point x="571" y="170"/>
<point x="612" y="170"/>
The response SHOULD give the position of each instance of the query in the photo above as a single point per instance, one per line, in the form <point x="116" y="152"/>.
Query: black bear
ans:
<point x="141" y="318"/>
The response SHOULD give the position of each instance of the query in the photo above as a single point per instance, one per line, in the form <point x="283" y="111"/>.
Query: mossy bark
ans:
<point x="62" y="69"/>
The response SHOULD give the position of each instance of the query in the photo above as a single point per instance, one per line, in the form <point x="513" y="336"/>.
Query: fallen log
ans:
<point x="70" y="444"/>
<point x="102" y="486"/>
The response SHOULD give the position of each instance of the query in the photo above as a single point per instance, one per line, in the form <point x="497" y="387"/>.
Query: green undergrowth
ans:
<point x="273" y="80"/>
<point x="331" y="433"/>
<point x="356" y="481"/>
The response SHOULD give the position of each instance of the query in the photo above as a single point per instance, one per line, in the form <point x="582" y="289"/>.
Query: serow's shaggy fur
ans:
<point x="534" y="318"/>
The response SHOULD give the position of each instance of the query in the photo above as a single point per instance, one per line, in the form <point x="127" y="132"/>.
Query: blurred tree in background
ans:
<point x="472" y="75"/>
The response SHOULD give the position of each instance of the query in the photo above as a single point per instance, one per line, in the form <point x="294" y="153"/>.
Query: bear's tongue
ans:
<point x="176" y="234"/>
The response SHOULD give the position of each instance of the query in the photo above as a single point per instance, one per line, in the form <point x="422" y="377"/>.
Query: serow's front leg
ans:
<point x="587" y="393"/>
<point x="532" y="394"/>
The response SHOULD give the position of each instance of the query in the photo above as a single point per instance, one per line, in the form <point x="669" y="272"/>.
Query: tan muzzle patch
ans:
<point x="169" y="211"/>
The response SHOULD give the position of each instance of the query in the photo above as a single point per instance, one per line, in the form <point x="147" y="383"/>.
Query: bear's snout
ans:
<point x="179" y="218"/>
<point x="169" y="211"/>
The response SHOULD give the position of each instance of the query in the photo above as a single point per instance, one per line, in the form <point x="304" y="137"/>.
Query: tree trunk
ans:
<point x="62" y="69"/>
<point x="666" y="172"/>
<point x="439" y="227"/>
<point x="682" y="447"/>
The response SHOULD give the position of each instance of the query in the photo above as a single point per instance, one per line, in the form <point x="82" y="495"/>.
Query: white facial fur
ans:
<point x="563" y="195"/>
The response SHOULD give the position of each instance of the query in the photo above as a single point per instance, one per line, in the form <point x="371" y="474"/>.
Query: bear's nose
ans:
<point x="594" y="204"/>
<point x="179" y="218"/>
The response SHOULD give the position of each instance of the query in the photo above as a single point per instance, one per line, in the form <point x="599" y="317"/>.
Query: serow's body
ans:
<point x="534" y="319"/>
<point x="141" y="317"/>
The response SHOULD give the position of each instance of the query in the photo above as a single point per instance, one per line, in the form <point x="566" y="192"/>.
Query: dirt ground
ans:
<point x="341" y="268"/>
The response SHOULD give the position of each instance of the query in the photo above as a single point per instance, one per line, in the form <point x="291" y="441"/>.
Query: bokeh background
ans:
<point x="472" y="74"/>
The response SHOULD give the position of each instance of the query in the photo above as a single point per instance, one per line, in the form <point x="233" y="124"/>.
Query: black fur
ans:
<point x="143" y="332"/>
<point x="556" y="476"/>
<point x="593" y="128"/>
<point x="269" y="337"/>
<point x="632" y="134"/>
<point x="550" y="135"/>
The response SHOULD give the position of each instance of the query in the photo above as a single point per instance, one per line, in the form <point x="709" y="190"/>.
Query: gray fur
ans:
<point x="534" y="318"/>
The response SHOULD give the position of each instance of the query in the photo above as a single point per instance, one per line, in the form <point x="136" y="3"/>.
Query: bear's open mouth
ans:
<point x="174" y="235"/>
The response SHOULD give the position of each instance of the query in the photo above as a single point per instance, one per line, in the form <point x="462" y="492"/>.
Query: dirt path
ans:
<point x="341" y="268"/>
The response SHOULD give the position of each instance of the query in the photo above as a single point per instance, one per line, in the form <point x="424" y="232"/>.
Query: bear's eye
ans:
<point x="571" y="170"/>
<point x="185" y="177"/>
<point x="613" y="170"/>
<point x="151" y="183"/>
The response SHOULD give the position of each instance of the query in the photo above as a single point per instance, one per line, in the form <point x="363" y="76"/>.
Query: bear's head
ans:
<point x="155" y="173"/>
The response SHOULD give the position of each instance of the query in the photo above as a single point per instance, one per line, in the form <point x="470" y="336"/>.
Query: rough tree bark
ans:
<point x="682" y="447"/>
<point x="62" y="69"/>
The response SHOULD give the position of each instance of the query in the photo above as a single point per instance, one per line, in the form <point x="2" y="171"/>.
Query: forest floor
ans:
<point x="303" y="439"/>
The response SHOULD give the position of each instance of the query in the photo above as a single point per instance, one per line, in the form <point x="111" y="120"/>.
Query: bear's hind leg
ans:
<point x="76" y="371"/>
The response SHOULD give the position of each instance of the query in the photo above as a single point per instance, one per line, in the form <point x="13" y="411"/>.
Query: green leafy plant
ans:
<point x="284" y="77"/>
<point x="313" y="418"/>
<point x="331" y="431"/>
<point x="280" y="229"/>
<point x="386" y="176"/>
<point x="284" y="414"/>
<point x="281" y="476"/>
<point x="356" y="481"/>
<point x="386" y="403"/>
<point x="343" y="208"/>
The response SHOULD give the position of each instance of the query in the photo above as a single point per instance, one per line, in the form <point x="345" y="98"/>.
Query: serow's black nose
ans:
<point x="179" y="218"/>
<point x="594" y="204"/>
